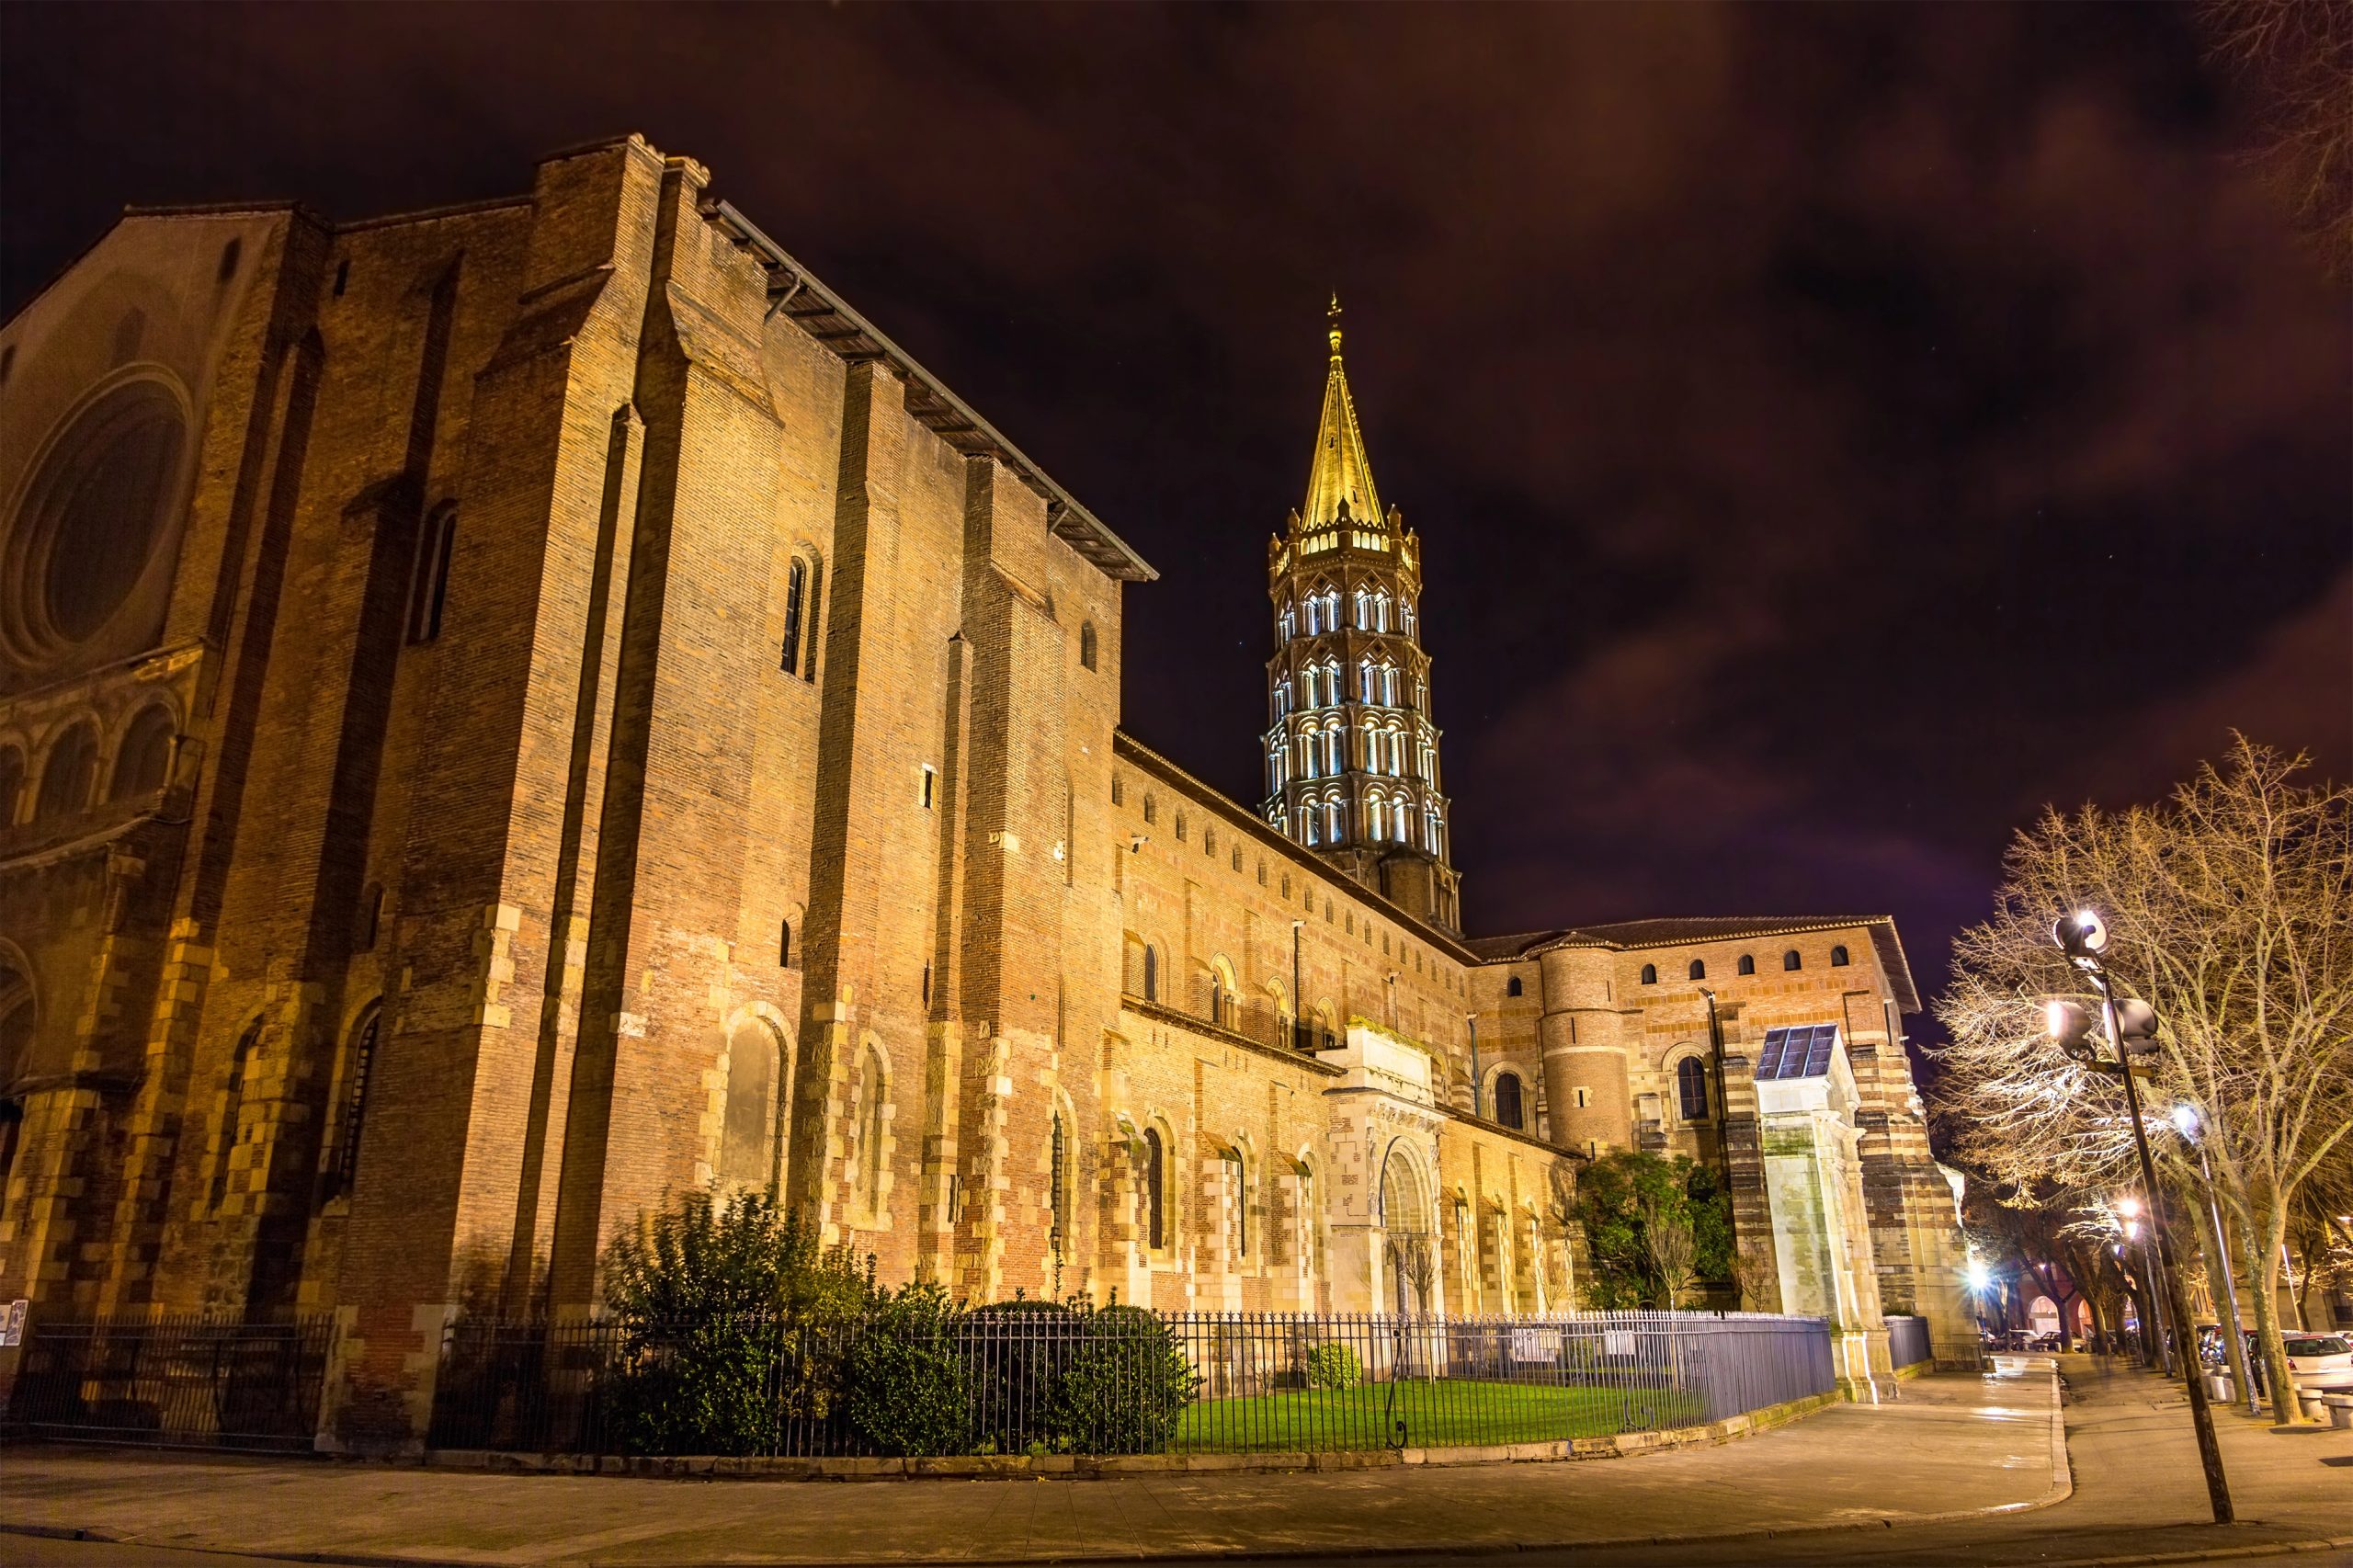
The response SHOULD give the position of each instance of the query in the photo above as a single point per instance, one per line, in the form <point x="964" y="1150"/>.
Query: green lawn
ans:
<point x="1438" y="1412"/>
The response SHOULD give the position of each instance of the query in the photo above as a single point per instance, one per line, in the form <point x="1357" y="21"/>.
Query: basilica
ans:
<point x="514" y="711"/>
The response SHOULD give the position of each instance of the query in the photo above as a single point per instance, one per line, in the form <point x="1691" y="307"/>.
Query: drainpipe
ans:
<point x="1723" y="1107"/>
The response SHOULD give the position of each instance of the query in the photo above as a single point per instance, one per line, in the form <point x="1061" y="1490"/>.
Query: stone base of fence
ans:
<point x="1085" y="1467"/>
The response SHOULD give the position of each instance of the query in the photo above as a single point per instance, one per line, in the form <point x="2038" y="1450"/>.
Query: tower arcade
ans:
<point x="1351" y="753"/>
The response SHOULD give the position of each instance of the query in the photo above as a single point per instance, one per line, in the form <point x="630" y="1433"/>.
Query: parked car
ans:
<point x="2321" y="1360"/>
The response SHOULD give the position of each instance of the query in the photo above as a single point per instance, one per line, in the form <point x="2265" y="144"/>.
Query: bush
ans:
<point x="907" y="1392"/>
<point x="1334" y="1367"/>
<point x="733" y="1319"/>
<point x="1123" y="1388"/>
<point x="1015" y="1355"/>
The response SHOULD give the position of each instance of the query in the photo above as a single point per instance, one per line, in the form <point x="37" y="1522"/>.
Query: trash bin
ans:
<point x="2218" y="1388"/>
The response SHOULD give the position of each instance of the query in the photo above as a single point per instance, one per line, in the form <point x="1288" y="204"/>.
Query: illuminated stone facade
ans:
<point x="513" y="712"/>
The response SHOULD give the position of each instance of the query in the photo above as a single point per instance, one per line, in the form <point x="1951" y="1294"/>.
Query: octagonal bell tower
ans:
<point x="1351" y="753"/>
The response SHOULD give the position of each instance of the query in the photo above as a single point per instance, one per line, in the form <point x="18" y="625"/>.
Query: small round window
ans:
<point x="92" y="518"/>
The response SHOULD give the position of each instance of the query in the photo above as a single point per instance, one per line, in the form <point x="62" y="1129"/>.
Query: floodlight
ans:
<point x="2185" y="1119"/>
<point x="2070" y="1023"/>
<point x="2080" y="935"/>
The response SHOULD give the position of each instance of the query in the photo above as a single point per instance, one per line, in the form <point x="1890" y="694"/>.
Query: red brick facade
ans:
<point x="630" y="728"/>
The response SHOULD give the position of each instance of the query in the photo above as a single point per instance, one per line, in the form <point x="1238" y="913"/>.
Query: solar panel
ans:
<point x="1801" y="1051"/>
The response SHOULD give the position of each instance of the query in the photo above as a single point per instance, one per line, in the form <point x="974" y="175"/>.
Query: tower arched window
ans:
<point x="1336" y="756"/>
<point x="872" y="1096"/>
<point x="1381" y="612"/>
<point x="1747" y="963"/>
<point x="1282" y="700"/>
<point x="1397" y="754"/>
<point x="1312" y="820"/>
<point x="1332" y="695"/>
<point x="1372" y="817"/>
<point x="1155" y="1178"/>
<point x="784" y="944"/>
<point x="1838" y="959"/>
<point x="1791" y="960"/>
<point x="1151" y="975"/>
<point x="1327" y="604"/>
<point x="1432" y="828"/>
<point x="1367" y="688"/>
<point x="1288" y="623"/>
<point x="1331" y="820"/>
<point x="1307" y="755"/>
<point x="1650" y="974"/>
<point x="1691" y="1088"/>
<point x="1698" y="969"/>
<point x="1511" y="1107"/>
<point x="69" y="775"/>
<point x="1406" y="616"/>
<point x="430" y="586"/>
<point x="143" y="763"/>
<point x="1087" y="644"/>
<point x="1364" y="610"/>
<point x="1389" y="685"/>
<point x="1513" y="987"/>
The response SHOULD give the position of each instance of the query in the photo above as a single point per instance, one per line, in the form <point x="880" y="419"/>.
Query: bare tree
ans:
<point x="2230" y="910"/>
<point x="2293" y="62"/>
<point x="1670" y="1245"/>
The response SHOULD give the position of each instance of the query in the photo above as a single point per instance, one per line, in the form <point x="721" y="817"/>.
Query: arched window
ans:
<point x="1364" y="610"/>
<point x="873" y="1089"/>
<point x="1389" y="685"/>
<point x="1748" y="963"/>
<point x="1372" y="817"/>
<point x="1282" y="699"/>
<point x="1691" y="1088"/>
<point x="1336" y="742"/>
<point x="1058" y="1188"/>
<point x="1151" y="810"/>
<point x="1406" y="616"/>
<point x="144" y="765"/>
<point x="796" y="607"/>
<point x="1087" y="644"/>
<point x="1512" y="987"/>
<point x="1331" y="609"/>
<point x="12" y="785"/>
<point x="1838" y="958"/>
<point x="354" y="1099"/>
<point x="1311" y="820"/>
<point x="1790" y="960"/>
<point x="1286" y="624"/>
<point x="1698" y="969"/>
<point x="1650" y="974"/>
<point x="429" y="585"/>
<point x="1510" y="1110"/>
<point x="371" y="916"/>
<point x="1332" y="697"/>
<point x="71" y="771"/>
<point x="1151" y="975"/>
<point x="1380" y="611"/>
<point x="784" y="944"/>
<point x="232" y="1106"/>
<point x="1155" y="1172"/>
<point x="744" y="1141"/>
<point x="1331" y="820"/>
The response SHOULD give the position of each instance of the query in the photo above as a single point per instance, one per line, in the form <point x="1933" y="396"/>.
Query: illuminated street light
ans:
<point x="2132" y="1032"/>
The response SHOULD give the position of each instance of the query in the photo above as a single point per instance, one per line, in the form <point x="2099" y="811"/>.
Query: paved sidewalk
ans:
<point x="1958" y="1460"/>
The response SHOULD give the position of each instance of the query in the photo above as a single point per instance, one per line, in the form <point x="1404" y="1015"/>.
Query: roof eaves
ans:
<point x="794" y="292"/>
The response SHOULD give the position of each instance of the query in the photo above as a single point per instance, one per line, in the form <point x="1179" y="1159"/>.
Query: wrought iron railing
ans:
<point x="1034" y="1378"/>
<point x="183" y="1380"/>
<point x="1907" y="1340"/>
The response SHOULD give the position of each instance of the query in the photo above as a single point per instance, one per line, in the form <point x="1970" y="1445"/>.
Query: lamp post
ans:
<point x="2083" y="937"/>
<point x="1298" y="1000"/>
<point x="2184" y="1121"/>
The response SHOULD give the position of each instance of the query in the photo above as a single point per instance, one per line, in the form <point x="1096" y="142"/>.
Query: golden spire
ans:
<point x="1340" y="471"/>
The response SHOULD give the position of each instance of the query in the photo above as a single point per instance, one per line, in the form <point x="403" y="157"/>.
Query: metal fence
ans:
<point x="1907" y="1340"/>
<point x="1034" y="1378"/>
<point x="184" y="1380"/>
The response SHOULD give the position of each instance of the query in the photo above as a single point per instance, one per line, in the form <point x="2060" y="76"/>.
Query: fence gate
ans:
<point x="177" y="1380"/>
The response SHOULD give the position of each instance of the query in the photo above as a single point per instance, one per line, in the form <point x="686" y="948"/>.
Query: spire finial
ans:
<point x="1331" y="314"/>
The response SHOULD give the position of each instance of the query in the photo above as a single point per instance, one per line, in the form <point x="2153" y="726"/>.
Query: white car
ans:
<point x="2321" y="1360"/>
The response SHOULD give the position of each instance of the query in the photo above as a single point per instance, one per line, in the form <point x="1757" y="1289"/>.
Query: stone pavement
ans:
<point x="1961" y="1470"/>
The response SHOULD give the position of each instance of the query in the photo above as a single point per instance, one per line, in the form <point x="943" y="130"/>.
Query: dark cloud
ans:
<point x="1834" y="432"/>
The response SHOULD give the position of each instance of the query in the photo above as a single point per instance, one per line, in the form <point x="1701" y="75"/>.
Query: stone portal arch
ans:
<point x="1406" y="1244"/>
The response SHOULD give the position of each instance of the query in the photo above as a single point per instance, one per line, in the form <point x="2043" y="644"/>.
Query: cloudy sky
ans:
<point x="1833" y="433"/>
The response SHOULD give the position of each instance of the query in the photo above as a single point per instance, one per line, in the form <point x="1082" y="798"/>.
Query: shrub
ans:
<point x="733" y="1318"/>
<point x="1015" y="1353"/>
<point x="1123" y="1388"/>
<point x="1334" y="1367"/>
<point x="908" y="1391"/>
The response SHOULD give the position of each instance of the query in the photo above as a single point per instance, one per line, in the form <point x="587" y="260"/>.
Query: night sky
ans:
<point x="1833" y="433"/>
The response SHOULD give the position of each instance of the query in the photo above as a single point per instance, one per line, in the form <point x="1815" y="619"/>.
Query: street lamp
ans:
<point x="2131" y="1029"/>
<point x="2184" y="1121"/>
